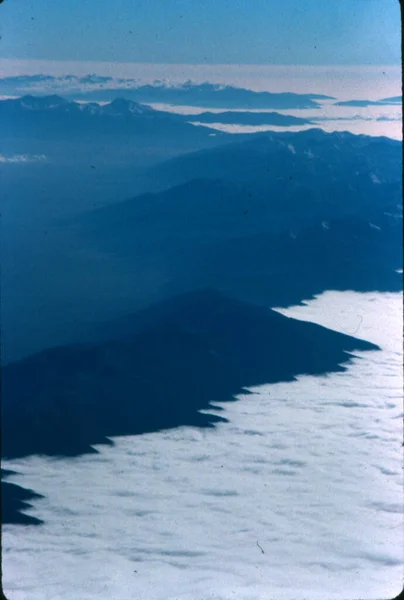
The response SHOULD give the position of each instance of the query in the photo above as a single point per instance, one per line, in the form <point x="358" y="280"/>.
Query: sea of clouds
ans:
<point x="299" y="495"/>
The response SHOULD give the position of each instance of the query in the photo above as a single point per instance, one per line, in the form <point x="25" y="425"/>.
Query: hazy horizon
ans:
<point x="345" y="82"/>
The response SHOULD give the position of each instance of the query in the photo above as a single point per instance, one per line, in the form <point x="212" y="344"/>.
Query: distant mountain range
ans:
<point x="393" y="99"/>
<point x="118" y="132"/>
<point x="363" y="103"/>
<point x="93" y="87"/>
<point x="54" y="115"/>
<point x="50" y="116"/>
<point x="209" y="95"/>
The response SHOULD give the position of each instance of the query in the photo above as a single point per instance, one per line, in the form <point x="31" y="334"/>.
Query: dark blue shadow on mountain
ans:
<point x="286" y="268"/>
<point x="307" y="158"/>
<point x="14" y="500"/>
<point x="274" y="241"/>
<point x="195" y="349"/>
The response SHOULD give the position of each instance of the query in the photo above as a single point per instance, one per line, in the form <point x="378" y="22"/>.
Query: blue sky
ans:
<point x="315" y="32"/>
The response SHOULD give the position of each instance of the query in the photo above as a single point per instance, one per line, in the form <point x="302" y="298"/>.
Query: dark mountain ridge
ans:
<point x="287" y="156"/>
<point x="53" y="115"/>
<point x="329" y="208"/>
<point x="200" y="348"/>
<point x="362" y="103"/>
<point x="15" y="500"/>
<point x="118" y="134"/>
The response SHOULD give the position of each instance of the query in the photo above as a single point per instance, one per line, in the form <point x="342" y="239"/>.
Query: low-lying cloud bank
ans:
<point x="21" y="158"/>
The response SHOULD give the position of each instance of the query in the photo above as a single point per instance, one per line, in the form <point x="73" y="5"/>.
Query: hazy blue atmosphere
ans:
<point x="201" y="299"/>
<point x="348" y="32"/>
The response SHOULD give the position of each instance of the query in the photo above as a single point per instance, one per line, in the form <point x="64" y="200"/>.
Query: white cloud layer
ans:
<point x="369" y="120"/>
<point x="299" y="495"/>
<point x="21" y="158"/>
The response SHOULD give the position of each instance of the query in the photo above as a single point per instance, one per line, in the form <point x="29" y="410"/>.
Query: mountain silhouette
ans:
<point x="120" y="132"/>
<point x="363" y="103"/>
<point x="209" y="95"/>
<point x="288" y="158"/>
<point x="195" y="349"/>
<point x="14" y="500"/>
<point x="50" y="116"/>
<point x="275" y="239"/>
<point x="393" y="100"/>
